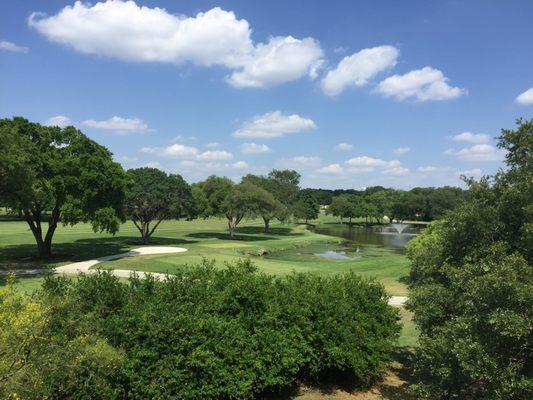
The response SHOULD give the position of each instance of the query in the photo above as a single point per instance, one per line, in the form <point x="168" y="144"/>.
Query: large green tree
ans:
<point x="214" y="191"/>
<point x="471" y="285"/>
<point x="58" y="174"/>
<point x="247" y="199"/>
<point x="154" y="197"/>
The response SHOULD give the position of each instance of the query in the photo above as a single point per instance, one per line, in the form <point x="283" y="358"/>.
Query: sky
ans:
<point x="349" y="93"/>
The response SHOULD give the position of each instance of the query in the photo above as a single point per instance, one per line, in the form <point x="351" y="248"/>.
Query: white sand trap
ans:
<point x="84" y="267"/>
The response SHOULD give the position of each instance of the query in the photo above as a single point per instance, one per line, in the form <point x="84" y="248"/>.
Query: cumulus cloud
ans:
<point x="334" y="169"/>
<point x="119" y="125"/>
<point x="213" y="145"/>
<point x="424" y="84"/>
<point x="359" y="68"/>
<point x="396" y="170"/>
<point x="123" y="30"/>
<point x="471" y="137"/>
<point x="215" y="155"/>
<point x="10" y="46"/>
<point x="365" y="161"/>
<point x="173" y="151"/>
<point x="58" y="120"/>
<point x="478" y="152"/>
<point x="254" y="148"/>
<point x="525" y="98"/>
<point x="343" y="147"/>
<point x="153" y="164"/>
<point x="300" y="162"/>
<point x="401" y="150"/>
<point x="274" y="124"/>
<point x="470" y="173"/>
<point x="282" y="59"/>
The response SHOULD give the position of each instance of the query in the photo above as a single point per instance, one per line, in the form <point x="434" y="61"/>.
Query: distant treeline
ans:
<point x="373" y="203"/>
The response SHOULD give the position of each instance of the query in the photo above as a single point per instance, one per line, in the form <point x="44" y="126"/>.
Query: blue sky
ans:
<point x="351" y="94"/>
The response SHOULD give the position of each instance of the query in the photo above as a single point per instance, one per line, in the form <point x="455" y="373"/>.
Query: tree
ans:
<point x="154" y="197"/>
<point x="345" y="206"/>
<point x="242" y="200"/>
<point x="306" y="207"/>
<point x="59" y="175"/>
<point x="215" y="190"/>
<point x="284" y="185"/>
<point x="471" y="282"/>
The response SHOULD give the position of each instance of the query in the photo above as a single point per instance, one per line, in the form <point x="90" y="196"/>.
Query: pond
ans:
<point x="359" y="242"/>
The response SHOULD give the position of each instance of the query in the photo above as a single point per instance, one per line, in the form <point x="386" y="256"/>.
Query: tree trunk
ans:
<point x="350" y="221"/>
<point x="44" y="247"/>
<point x="341" y="220"/>
<point x="231" y="228"/>
<point x="267" y="224"/>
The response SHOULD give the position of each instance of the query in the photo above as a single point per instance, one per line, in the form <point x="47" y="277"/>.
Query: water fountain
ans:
<point x="399" y="227"/>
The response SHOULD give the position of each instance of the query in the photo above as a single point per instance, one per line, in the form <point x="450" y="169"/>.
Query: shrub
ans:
<point x="229" y="333"/>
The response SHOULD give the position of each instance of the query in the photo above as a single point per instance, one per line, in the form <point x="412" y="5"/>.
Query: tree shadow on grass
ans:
<point x="225" y="236"/>
<point x="24" y="256"/>
<point x="278" y="231"/>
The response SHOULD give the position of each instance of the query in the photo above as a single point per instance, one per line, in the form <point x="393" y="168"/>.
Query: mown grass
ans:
<point x="203" y="239"/>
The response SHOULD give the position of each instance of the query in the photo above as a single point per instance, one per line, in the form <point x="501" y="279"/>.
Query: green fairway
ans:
<point x="203" y="239"/>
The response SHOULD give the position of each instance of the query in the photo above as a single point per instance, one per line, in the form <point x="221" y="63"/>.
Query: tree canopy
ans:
<point x="154" y="197"/>
<point x="471" y="286"/>
<point x="58" y="174"/>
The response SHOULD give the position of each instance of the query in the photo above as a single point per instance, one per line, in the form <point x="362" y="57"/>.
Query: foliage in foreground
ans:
<point x="207" y="333"/>
<point x="472" y="287"/>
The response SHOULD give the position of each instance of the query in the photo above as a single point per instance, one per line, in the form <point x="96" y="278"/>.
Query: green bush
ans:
<point x="230" y="333"/>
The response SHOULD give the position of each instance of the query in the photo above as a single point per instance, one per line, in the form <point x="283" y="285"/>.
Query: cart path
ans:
<point x="84" y="267"/>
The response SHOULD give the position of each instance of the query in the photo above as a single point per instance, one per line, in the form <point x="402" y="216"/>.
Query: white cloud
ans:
<point x="357" y="69"/>
<point x="173" y="151"/>
<point x="422" y="84"/>
<point x="213" y="145"/>
<point x="478" y="152"/>
<point x="123" y="30"/>
<point x="119" y="124"/>
<point x="397" y="171"/>
<point x="525" y="98"/>
<point x="254" y="148"/>
<point x="365" y="161"/>
<point x="300" y="162"/>
<point x="401" y="150"/>
<point x="476" y="172"/>
<point x="153" y="164"/>
<point x="333" y="169"/>
<point x="471" y="137"/>
<point x="215" y="155"/>
<point x="343" y="147"/>
<point x="58" y="120"/>
<point x="238" y="165"/>
<point x="282" y="59"/>
<point x="10" y="46"/>
<point x="274" y="124"/>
